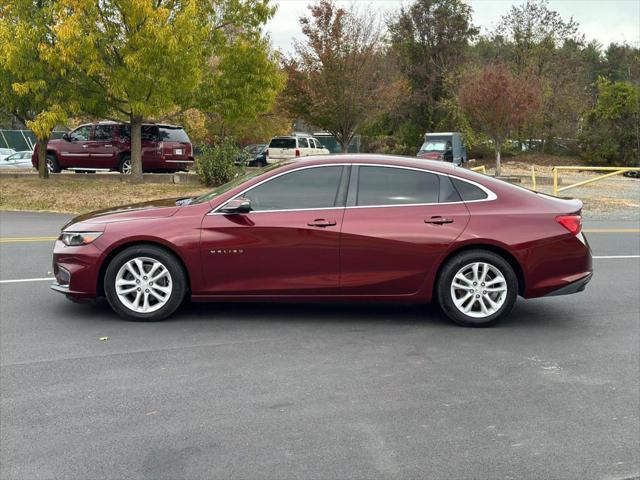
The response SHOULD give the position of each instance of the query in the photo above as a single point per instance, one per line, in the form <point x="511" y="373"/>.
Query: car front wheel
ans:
<point x="145" y="283"/>
<point x="476" y="288"/>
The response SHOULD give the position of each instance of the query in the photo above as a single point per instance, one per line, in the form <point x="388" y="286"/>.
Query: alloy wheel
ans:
<point x="126" y="167"/>
<point x="478" y="289"/>
<point x="143" y="284"/>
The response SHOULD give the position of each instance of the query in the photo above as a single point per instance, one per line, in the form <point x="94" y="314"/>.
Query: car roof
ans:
<point x="112" y="122"/>
<point x="394" y="160"/>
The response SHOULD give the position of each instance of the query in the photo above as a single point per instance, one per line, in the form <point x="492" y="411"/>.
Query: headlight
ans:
<point x="75" y="239"/>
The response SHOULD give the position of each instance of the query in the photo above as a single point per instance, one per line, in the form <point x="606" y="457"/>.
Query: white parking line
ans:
<point x="615" y="256"/>
<point x="24" y="280"/>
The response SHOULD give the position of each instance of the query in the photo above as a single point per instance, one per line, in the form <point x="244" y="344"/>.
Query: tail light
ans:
<point x="573" y="223"/>
<point x="297" y="152"/>
<point x="266" y="152"/>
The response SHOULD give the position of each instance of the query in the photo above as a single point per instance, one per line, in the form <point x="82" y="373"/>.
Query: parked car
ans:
<point x="107" y="146"/>
<point x="359" y="228"/>
<point x="253" y="155"/>
<point x="293" y="146"/>
<point x="446" y="146"/>
<point x="5" y="152"/>
<point x="17" y="160"/>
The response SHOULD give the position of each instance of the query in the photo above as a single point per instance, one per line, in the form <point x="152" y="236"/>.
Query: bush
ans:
<point x="216" y="163"/>
<point x="610" y="132"/>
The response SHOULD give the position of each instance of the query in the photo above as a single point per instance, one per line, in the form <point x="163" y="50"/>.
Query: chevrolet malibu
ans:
<point x="356" y="228"/>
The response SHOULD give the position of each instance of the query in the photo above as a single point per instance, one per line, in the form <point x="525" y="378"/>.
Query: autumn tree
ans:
<point x="240" y="85"/>
<point x="497" y="102"/>
<point x="137" y="59"/>
<point x="429" y="40"/>
<point x="336" y="81"/>
<point x="31" y="89"/>
<point x="535" y="40"/>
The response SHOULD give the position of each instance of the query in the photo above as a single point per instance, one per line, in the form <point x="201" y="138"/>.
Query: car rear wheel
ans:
<point x="145" y="283"/>
<point x="476" y="288"/>
<point x="125" y="165"/>
<point x="52" y="164"/>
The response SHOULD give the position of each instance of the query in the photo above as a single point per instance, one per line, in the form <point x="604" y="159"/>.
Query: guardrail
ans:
<point x="480" y="169"/>
<point x="612" y="171"/>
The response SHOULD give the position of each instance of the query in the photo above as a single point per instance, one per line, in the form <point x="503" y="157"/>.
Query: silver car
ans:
<point x="17" y="160"/>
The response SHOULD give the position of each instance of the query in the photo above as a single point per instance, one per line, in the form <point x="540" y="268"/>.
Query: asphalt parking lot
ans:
<point x="321" y="391"/>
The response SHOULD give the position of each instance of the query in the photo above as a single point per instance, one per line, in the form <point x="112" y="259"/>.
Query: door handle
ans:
<point x="321" y="222"/>
<point x="438" y="220"/>
<point x="85" y="146"/>
<point x="107" y="146"/>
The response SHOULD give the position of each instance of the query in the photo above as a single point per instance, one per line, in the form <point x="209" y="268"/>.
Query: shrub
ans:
<point x="611" y="133"/>
<point x="216" y="163"/>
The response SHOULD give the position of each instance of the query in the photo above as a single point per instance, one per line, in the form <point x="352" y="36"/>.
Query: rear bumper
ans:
<point x="574" y="287"/>
<point x="558" y="268"/>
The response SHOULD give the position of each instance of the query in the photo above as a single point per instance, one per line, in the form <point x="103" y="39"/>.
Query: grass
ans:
<point x="78" y="196"/>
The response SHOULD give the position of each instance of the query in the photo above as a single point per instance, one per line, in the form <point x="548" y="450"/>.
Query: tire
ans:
<point x="482" y="308"/>
<point x="125" y="165"/>
<point x="162" y="298"/>
<point x="52" y="164"/>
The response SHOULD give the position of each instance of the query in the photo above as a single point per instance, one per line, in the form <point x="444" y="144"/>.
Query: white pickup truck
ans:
<point x="286" y="148"/>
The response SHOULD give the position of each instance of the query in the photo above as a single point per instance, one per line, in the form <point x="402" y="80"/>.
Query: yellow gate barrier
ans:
<point x="613" y="171"/>
<point x="479" y="169"/>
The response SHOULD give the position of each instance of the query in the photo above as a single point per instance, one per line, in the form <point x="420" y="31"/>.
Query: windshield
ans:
<point x="225" y="187"/>
<point x="435" y="146"/>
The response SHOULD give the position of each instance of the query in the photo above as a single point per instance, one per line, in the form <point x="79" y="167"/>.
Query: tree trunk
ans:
<point x="497" y="147"/>
<point x="43" y="172"/>
<point x="136" y="150"/>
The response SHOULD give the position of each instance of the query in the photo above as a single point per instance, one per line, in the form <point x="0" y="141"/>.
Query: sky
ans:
<point x="603" y="20"/>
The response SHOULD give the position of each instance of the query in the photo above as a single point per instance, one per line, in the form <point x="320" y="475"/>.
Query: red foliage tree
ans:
<point x="497" y="102"/>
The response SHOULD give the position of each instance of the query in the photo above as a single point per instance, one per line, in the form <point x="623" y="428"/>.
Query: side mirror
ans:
<point x="66" y="137"/>
<point x="238" y="205"/>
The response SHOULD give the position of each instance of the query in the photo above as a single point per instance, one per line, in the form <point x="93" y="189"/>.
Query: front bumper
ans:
<point x="574" y="287"/>
<point x="76" y="270"/>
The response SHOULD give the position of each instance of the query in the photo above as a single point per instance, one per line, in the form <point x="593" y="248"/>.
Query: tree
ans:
<point x="137" y="59"/>
<point x="32" y="90"/>
<point x="430" y="42"/>
<point x="337" y="82"/>
<point x="611" y="133"/>
<point x="241" y="84"/>
<point x="533" y="32"/>
<point x="497" y="102"/>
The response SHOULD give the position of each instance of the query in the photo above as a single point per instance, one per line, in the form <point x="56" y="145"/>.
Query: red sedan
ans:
<point x="337" y="228"/>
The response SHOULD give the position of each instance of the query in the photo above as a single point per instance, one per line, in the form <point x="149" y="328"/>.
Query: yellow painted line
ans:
<point x="611" y="230"/>
<point x="26" y="239"/>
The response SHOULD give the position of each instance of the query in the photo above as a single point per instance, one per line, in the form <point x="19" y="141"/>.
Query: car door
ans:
<point x="287" y="245"/>
<point x="396" y="225"/>
<point x="102" y="148"/>
<point x="74" y="151"/>
<point x="303" y="146"/>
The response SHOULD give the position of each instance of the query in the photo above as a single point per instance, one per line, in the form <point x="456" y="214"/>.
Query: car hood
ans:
<point x="153" y="209"/>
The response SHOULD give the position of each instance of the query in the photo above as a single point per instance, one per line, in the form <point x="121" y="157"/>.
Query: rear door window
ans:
<point x="103" y="133"/>
<point x="468" y="191"/>
<point x="168" y="134"/>
<point x="396" y="186"/>
<point x="309" y="188"/>
<point x="283" y="143"/>
<point x="302" y="142"/>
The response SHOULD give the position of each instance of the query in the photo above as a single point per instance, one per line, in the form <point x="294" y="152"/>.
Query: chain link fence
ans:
<point x="20" y="140"/>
